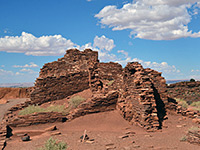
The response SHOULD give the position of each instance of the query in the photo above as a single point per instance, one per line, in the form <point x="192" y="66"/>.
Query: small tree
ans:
<point x="192" y="80"/>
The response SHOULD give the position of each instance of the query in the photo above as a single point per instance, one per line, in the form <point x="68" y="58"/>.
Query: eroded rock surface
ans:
<point x="13" y="93"/>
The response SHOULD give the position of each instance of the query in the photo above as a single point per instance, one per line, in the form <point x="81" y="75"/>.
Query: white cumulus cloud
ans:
<point x="197" y="70"/>
<point x="28" y="71"/>
<point x="30" y="65"/>
<point x="152" y="19"/>
<point x="37" y="46"/>
<point x="104" y="47"/>
<point x="103" y="43"/>
<point x="123" y="52"/>
<point x="5" y="72"/>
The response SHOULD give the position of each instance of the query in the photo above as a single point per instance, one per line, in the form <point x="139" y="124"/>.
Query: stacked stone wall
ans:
<point x="140" y="102"/>
<point x="139" y="94"/>
<point x="64" y="77"/>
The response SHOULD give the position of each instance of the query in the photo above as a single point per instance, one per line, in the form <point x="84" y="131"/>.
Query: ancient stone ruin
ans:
<point x="138" y="94"/>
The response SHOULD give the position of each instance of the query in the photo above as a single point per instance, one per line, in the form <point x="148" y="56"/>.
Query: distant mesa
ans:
<point x="26" y="84"/>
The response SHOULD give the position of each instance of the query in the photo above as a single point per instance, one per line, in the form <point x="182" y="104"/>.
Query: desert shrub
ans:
<point x="53" y="144"/>
<point x="183" y="138"/>
<point x="192" y="80"/>
<point x="36" y="109"/>
<point x="75" y="101"/>
<point x="182" y="103"/>
<point x="189" y="102"/>
<point x="30" y="110"/>
<point x="196" y="104"/>
<point x="193" y="129"/>
<point x="55" y="108"/>
<point x="111" y="82"/>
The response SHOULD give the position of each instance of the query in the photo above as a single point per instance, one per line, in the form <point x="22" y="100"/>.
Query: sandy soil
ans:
<point x="106" y="129"/>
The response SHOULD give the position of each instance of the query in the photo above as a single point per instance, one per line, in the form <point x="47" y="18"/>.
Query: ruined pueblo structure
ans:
<point x="138" y="94"/>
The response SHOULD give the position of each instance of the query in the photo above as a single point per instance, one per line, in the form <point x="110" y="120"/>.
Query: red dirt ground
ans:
<point x="106" y="128"/>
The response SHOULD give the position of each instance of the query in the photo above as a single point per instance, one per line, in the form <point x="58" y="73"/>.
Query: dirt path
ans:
<point x="11" y="102"/>
<point x="107" y="130"/>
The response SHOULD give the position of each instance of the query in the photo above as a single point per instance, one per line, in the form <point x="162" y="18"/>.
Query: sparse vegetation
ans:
<point x="36" y="109"/>
<point x="75" y="101"/>
<point x="193" y="129"/>
<point x="111" y="82"/>
<point x="182" y="103"/>
<point x="196" y="104"/>
<point x="183" y="138"/>
<point x="186" y="104"/>
<point x="53" y="144"/>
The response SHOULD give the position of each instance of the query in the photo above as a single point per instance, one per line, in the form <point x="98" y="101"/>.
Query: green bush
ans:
<point x="75" y="101"/>
<point x="192" y="80"/>
<point x="53" y="144"/>
<point x="36" y="109"/>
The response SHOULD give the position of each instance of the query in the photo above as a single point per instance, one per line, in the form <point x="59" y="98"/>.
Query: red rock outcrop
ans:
<point x="187" y="94"/>
<point x="189" y="91"/>
<point x="13" y="93"/>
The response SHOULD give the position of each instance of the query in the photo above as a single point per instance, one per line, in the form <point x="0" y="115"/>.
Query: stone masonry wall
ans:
<point x="37" y="118"/>
<point x="140" y="101"/>
<point x="64" y="77"/>
<point x="106" y="77"/>
<point x="139" y="94"/>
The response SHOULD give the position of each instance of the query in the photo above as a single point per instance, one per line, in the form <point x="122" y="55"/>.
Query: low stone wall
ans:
<point x="36" y="118"/>
<point x="98" y="103"/>
<point x="3" y="133"/>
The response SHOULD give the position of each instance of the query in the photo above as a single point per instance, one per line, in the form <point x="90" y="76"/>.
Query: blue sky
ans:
<point x="163" y="35"/>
